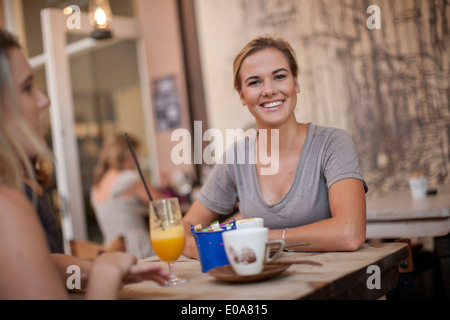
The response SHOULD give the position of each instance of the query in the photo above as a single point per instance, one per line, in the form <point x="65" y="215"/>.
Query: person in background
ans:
<point x="28" y="269"/>
<point x="315" y="200"/>
<point x="119" y="197"/>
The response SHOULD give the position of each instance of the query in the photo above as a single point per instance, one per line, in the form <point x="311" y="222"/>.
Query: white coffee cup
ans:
<point x="250" y="223"/>
<point x="248" y="249"/>
<point x="418" y="186"/>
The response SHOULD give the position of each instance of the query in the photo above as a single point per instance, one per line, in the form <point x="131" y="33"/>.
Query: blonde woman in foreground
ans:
<point x="28" y="270"/>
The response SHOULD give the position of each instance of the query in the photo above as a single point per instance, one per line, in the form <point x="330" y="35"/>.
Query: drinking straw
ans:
<point x="139" y="167"/>
<point x="142" y="176"/>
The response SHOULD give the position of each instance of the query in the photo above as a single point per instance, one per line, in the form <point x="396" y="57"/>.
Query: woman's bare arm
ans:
<point x="28" y="271"/>
<point x="344" y="231"/>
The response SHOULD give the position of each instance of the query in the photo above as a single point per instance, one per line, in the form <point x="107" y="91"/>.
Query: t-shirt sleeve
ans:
<point x="340" y="159"/>
<point x="219" y="192"/>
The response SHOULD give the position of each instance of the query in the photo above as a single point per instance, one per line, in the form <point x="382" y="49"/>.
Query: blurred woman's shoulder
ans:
<point x="14" y="203"/>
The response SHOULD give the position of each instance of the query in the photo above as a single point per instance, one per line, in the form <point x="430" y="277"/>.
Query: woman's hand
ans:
<point x="146" y="271"/>
<point x="111" y="270"/>
<point x="197" y="214"/>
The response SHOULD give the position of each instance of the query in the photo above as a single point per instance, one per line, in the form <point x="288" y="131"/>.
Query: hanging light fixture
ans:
<point x="100" y="16"/>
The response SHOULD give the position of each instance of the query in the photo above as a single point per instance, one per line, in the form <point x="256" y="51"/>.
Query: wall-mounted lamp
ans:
<point x="100" y="16"/>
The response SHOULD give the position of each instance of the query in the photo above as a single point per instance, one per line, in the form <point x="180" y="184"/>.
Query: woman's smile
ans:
<point x="272" y="105"/>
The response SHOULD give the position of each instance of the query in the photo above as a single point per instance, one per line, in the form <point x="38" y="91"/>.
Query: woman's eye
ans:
<point x="253" y="83"/>
<point x="27" y="88"/>
<point x="280" y="76"/>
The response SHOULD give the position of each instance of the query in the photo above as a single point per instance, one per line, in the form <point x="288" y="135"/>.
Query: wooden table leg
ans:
<point x="406" y="269"/>
<point x="442" y="250"/>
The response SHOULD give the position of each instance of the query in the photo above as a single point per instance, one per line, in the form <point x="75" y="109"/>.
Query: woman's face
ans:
<point x="269" y="89"/>
<point x="129" y="163"/>
<point x="33" y="101"/>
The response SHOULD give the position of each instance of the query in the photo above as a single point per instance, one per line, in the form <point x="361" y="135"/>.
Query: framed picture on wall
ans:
<point x="166" y="102"/>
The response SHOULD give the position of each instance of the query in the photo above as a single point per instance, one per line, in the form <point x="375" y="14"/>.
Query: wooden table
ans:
<point x="398" y="215"/>
<point x="342" y="275"/>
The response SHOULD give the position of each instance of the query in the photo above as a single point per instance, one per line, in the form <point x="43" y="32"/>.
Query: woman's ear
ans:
<point x="241" y="95"/>
<point x="297" y="85"/>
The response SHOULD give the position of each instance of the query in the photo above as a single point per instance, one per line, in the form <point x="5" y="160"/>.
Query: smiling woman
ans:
<point x="315" y="201"/>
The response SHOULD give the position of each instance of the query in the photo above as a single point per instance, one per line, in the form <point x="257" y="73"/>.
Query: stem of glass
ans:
<point x="173" y="276"/>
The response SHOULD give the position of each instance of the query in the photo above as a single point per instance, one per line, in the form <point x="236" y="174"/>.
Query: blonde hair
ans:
<point x="114" y="153"/>
<point x="17" y="138"/>
<point x="261" y="43"/>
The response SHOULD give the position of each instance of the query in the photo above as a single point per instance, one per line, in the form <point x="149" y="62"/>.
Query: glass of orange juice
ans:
<point x="167" y="233"/>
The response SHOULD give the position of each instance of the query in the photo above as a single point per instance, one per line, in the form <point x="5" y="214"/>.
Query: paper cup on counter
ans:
<point x="418" y="185"/>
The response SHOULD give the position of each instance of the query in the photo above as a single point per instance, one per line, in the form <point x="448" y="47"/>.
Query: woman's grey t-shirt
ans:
<point x="328" y="156"/>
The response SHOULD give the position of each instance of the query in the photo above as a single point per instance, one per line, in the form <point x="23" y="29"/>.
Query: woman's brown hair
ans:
<point x="114" y="153"/>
